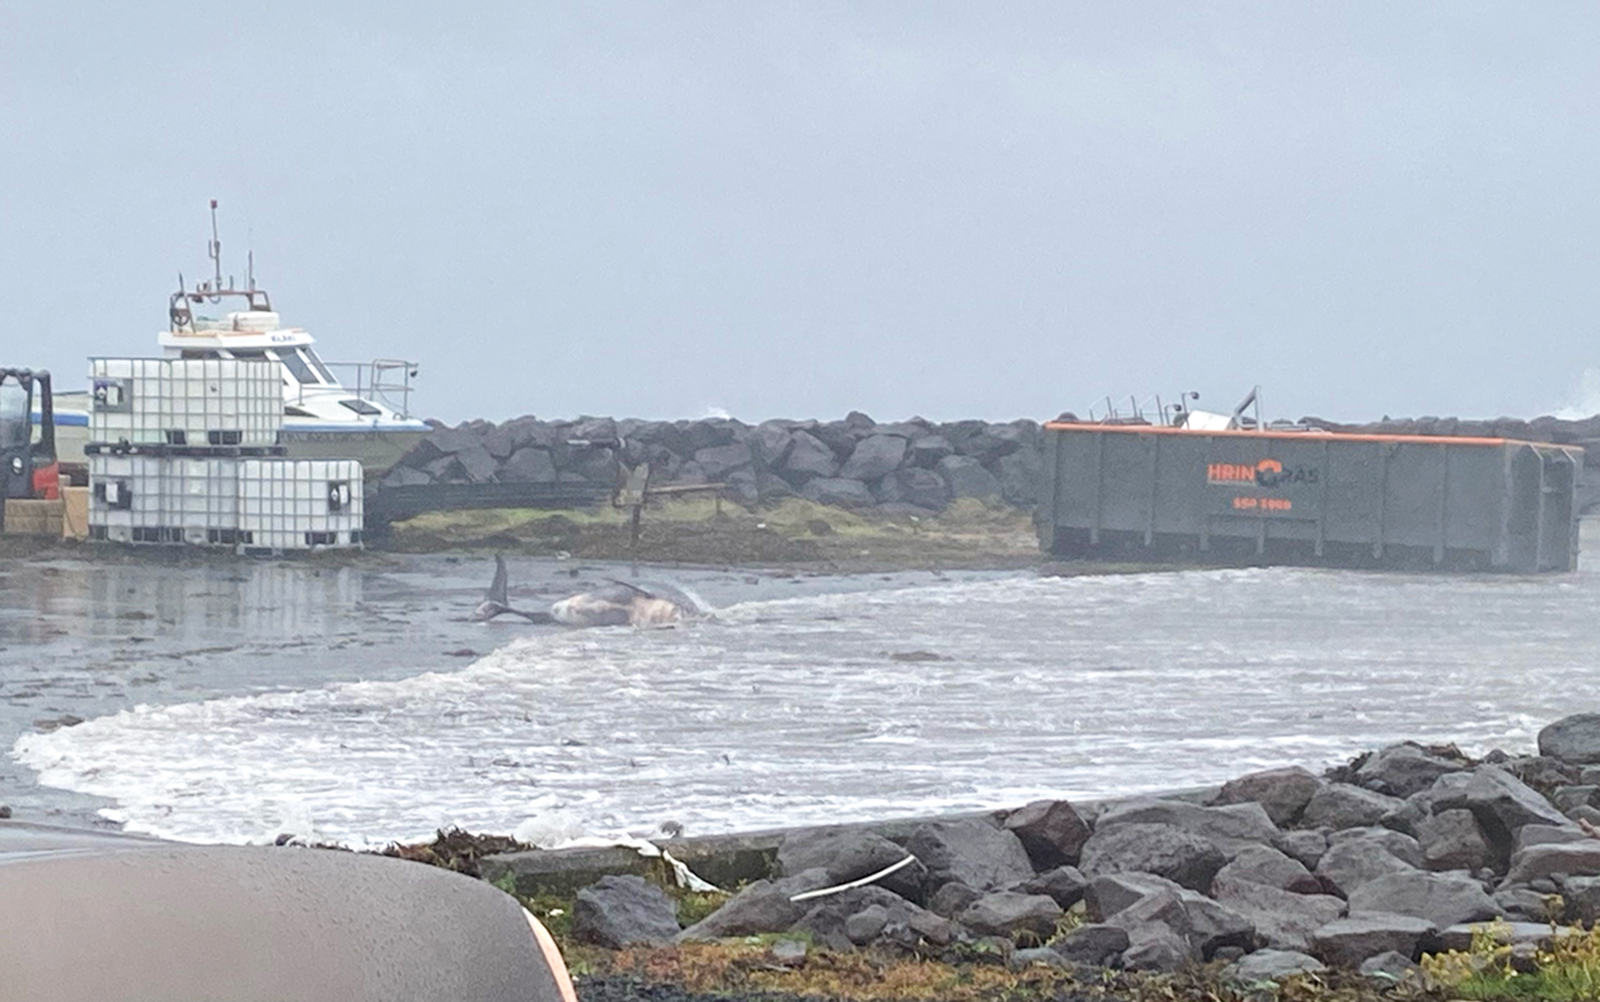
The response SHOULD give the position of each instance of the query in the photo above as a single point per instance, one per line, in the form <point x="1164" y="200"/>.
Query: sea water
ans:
<point x="856" y="700"/>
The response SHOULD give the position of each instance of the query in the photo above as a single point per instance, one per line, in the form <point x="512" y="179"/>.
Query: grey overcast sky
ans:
<point x="797" y="209"/>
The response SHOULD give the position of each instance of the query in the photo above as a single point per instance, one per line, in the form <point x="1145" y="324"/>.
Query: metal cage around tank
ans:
<point x="1135" y="492"/>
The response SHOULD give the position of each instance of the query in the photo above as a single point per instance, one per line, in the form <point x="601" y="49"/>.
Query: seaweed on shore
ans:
<point x="455" y="849"/>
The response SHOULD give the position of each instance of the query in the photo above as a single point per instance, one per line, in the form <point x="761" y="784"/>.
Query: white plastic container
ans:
<point x="300" y="504"/>
<point x="200" y="500"/>
<point x="125" y="499"/>
<point x="185" y="401"/>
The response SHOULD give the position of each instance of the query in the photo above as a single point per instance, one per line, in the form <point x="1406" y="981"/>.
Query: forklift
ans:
<point x="28" y="466"/>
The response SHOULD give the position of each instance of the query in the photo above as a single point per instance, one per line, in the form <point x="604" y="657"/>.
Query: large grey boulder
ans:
<point x="848" y="854"/>
<point x="1514" y="934"/>
<point x="972" y="852"/>
<point x="1523" y="904"/>
<point x="1387" y="967"/>
<point x="1397" y="844"/>
<point x="1344" y="805"/>
<point x="1581" y="898"/>
<point x="760" y="907"/>
<point x="967" y="478"/>
<point x="1263" y="864"/>
<point x="1282" y="793"/>
<point x="1531" y="835"/>
<point x="952" y="898"/>
<point x="1448" y="793"/>
<point x="1232" y="828"/>
<point x="1282" y="919"/>
<point x="1064" y="885"/>
<point x="1452" y="840"/>
<point x="1305" y="846"/>
<point x="1573" y="739"/>
<point x="874" y="456"/>
<point x="1110" y="893"/>
<point x="720" y="460"/>
<point x="1503" y="804"/>
<point x="914" y="486"/>
<point x="850" y="918"/>
<point x="927" y="450"/>
<point x="597" y="466"/>
<point x="1006" y="913"/>
<point x="1568" y="799"/>
<point x="600" y="430"/>
<point x="865" y="925"/>
<point x="1051" y="831"/>
<point x="1210" y="925"/>
<point x="769" y="445"/>
<point x="1540" y="861"/>
<point x="1190" y="860"/>
<point x="1272" y="965"/>
<point x="479" y="466"/>
<point x="619" y="911"/>
<point x="1441" y="898"/>
<point x="1403" y="769"/>
<point x="708" y="433"/>
<point x="1213" y="926"/>
<point x="838" y="492"/>
<point x="500" y="441"/>
<point x="1094" y="944"/>
<point x="1158" y="931"/>
<point x="1348" y="941"/>
<point x="808" y="457"/>
<point x="837" y="436"/>
<point x="405" y="476"/>
<point x="1349" y="864"/>
<point x="529" y="465"/>
<point x="1021" y="476"/>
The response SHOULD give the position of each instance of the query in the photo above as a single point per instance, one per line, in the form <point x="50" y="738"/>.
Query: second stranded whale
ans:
<point x="616" y="603"/>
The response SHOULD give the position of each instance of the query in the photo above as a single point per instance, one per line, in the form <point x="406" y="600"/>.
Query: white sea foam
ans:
<point x="793" y="711"/>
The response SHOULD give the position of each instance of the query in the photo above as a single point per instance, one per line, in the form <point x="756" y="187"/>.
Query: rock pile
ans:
<point x="913" y="465"/>
<point x="1584" y="432"/>
<point x="1282" y="871"/>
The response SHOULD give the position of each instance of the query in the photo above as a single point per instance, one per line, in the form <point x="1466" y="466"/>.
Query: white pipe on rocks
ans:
<point x="825" y="891"/>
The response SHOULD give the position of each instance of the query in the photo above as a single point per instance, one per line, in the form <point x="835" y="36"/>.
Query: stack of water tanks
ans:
<point x="185" y="452"/>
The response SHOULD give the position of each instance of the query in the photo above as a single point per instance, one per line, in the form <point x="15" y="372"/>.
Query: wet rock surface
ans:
<point x="1154" y="891"/>
<point x="622" y="911"/>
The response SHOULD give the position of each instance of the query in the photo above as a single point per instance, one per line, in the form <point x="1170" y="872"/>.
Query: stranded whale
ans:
<point x="617" y="603"/>
<point x="623" y="604"/>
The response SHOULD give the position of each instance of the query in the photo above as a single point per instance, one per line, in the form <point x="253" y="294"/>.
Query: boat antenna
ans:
<point x="214" y="249"/>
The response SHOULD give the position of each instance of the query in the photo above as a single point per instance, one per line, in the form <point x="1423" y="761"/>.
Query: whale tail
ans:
<point x="497" y="587"/>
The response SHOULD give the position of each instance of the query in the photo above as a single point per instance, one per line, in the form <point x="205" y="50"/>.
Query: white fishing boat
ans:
<point x="331" y="410"/>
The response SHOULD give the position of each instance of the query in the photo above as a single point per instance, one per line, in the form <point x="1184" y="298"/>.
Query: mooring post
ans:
<point x="633" y="537"/>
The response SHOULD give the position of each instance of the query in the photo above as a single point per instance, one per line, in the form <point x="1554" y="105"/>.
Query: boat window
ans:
<point x="249" y="353"/>
<point x="196" y="353"/>
<point x="316" y="363"/>
<point x="294" y="363"/>
<point x="361" y="407"/>
<point x="289" y="410"/>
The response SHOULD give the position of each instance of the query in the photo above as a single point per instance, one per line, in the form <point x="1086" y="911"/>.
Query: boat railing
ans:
<point x="386" y="380"/>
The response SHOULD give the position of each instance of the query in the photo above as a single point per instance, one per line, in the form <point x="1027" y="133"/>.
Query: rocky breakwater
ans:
<point x="1366" y="868"/>
<point x="1581" y="432"/>
<point x="906" y="466"/>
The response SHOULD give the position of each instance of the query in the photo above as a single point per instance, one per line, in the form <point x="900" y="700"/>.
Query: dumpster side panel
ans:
<point x="1345" y="500"/>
